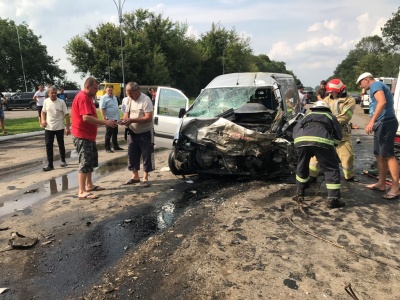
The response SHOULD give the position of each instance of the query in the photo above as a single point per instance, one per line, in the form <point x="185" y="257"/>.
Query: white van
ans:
<point x="396" y="99"/>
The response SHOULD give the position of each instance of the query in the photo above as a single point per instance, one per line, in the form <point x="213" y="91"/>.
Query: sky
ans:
<point x="311" y="36"/>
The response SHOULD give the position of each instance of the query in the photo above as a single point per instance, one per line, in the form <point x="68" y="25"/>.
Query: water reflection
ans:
<point x="19" y="201"/>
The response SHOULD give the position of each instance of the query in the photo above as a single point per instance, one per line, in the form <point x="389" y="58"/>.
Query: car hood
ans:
<point x="226" y="136"/>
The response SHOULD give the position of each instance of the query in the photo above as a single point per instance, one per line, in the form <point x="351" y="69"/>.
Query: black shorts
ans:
<point x="384" y="136"/>
<point x="39" y="110"/>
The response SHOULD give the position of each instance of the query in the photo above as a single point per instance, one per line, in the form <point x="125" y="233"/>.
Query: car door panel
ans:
<point x="168" y="102"/>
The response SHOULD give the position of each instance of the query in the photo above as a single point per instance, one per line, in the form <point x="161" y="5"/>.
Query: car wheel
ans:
<point x="171" y="164"/>
<point x="33" y="106"/>
<point x="366" y="111"/>
<point x="5" y="107"/>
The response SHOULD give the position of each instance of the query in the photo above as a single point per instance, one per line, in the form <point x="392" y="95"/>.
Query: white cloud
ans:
<point x="280" y="51"/>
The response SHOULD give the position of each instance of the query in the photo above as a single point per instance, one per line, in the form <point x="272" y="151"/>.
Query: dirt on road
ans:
<point x="201" y="238"/>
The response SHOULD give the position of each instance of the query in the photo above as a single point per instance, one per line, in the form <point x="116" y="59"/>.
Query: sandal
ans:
<point x="96" y="188"/>
<point x="145" y="184"/>
<point x="391" y="197"/>
<point x="88" y="196"/>
<point x="131" y="181"/>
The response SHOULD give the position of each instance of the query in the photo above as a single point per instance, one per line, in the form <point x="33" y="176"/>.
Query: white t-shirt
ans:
<point x="55" y="112"/>
<point x="136" y="110"/>
<point x="40" y="96"/>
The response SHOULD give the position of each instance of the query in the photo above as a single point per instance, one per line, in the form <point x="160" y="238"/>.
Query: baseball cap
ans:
<point x="364" y="75"/>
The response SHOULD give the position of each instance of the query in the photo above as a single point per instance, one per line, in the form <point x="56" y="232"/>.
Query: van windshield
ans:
<point x="213" y="102"/>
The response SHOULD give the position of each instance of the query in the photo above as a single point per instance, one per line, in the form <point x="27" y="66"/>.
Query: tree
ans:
<point x="39" y="67"/>
<point x="391" y="31"/>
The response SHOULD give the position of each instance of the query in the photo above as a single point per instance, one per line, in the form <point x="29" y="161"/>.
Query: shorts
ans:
<point x="39" y="110"/>
<point x="87" y="154"/>
<point x="1" y="114"/>
<point x="384" y="136"/>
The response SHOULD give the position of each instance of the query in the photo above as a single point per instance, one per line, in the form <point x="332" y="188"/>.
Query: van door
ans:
<point x="167" y="104"/>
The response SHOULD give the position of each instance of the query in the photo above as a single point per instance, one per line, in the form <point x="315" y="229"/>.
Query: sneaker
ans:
<point x="48" y="168"/>
<point x="335" y="203"/>
<point x="118" y="148"/>
<point x="63" y="164"/>
<point x="109" y="151"/>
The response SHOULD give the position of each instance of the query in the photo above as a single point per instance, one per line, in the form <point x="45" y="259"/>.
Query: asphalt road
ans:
<point x="20" y="113"/>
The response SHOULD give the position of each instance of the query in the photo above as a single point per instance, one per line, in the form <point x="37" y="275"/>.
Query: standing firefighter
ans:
<point x="317" y="134"/>
<point x="342" y="106"/>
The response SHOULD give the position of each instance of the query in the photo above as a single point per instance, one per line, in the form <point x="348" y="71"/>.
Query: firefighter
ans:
<point x="317" y="134"/>
<point x="342" y="106"/>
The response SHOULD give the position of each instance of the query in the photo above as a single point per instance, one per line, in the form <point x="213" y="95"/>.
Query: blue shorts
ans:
<point x="1" y="114"/>
<point x="384" y="136"/>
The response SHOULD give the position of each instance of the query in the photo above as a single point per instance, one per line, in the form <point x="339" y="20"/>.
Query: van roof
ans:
<point x="246" y="79"/>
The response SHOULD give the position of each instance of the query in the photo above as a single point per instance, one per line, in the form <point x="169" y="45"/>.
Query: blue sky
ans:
<point x="311" y="36"/>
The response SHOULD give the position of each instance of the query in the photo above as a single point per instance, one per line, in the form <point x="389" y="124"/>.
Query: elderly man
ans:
<point x="84" y="131"/>
<point x="139" y="119"/>
<point x="52" y="116"/>
<point x="109" y="111"/>
<point x="384" y="125"/>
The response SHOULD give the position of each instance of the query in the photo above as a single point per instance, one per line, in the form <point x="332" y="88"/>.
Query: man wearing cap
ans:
<point x="317" y="134"/>
<point x="384" y="125"/>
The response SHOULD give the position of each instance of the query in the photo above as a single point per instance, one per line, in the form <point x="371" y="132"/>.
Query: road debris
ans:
<point x="31" y="191"/>
<point x="18" y="240"/>
<point x="3" y="290"/>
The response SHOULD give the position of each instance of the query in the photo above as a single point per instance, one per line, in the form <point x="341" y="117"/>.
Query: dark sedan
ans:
<point x="21" y="100"/>
<point x="356" y="97"/>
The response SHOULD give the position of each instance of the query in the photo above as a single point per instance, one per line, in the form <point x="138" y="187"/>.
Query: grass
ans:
<point x="24" y="125"/>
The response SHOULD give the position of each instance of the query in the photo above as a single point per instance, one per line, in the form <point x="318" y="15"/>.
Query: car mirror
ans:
<point x="182" y="112"/>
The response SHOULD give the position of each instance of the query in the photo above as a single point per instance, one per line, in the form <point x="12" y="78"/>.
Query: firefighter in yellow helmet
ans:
<point x="342" y="106"/>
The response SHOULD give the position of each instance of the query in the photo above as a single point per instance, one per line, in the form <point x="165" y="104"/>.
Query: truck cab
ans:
<point x="102" y="90"/>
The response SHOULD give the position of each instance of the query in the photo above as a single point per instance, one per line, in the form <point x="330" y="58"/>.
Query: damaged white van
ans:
<point x="240" y="124"/>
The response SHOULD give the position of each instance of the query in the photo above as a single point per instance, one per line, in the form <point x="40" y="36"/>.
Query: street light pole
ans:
<point x="119" y="9"/>
<point x="22" y="61"/>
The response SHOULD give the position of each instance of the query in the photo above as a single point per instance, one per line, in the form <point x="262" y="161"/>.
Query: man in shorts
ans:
<point x="3" y="100"/>
<point x="39" y="97"/>
<point x="384" y="124"/>
<point x="84" y="131"/>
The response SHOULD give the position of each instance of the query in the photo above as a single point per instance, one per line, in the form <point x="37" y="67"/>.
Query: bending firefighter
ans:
<point x="342" y="106"/>
<point x="317" y="134"/>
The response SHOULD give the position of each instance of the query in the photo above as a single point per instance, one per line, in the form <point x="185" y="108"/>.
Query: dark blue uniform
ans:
<point x="317" y="134"/>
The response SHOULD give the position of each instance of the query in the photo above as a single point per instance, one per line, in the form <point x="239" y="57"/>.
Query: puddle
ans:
<point x="80" y="262"/>
<point x="20" y="203"/>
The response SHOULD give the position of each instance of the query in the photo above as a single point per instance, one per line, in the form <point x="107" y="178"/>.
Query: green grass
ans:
<point x="15" y="126"/>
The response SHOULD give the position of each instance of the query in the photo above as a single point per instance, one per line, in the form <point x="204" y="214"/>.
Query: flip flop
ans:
<point x="145" y="184"/>
<point x="374" y="188"/>
<point x="96" y="188"/>
<point x="88" y="196"/>
<point x="131" y="181"/>
<point x="391" y="197"/>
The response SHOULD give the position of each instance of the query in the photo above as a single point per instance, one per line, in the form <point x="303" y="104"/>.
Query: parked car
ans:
<point x="356" y="97"/>
<point x="71" y="95"/>
<point x="365" y="101"/>
<point x="21" y="100"/>
<point x="310" y="95"/>
<point x="240" y="124"/>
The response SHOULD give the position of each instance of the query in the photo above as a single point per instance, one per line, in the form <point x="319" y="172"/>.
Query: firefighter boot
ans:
<point x="335" y="203"/>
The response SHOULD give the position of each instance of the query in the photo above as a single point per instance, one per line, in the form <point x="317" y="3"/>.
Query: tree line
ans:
<point x="158" y="51"/>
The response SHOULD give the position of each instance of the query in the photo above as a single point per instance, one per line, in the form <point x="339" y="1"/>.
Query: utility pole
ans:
<point x="22" y="61"/>
<point x="119" y="6"/>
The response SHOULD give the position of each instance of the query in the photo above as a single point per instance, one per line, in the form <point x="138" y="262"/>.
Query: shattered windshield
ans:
<point x="213" y="102"/>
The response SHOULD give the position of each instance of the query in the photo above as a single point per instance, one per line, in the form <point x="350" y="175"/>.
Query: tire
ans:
<point x="366" y="111"/>
<point x="171" y="164"/>
<point x="33" y="106"/>
<point x="5" y="107"/>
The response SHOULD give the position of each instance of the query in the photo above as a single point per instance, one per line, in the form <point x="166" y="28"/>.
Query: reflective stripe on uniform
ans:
<point x="333" y="186"/>
<point x="349" y="112"/>
<point x="302" y="180"/>
<point x="314" y="139"/>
